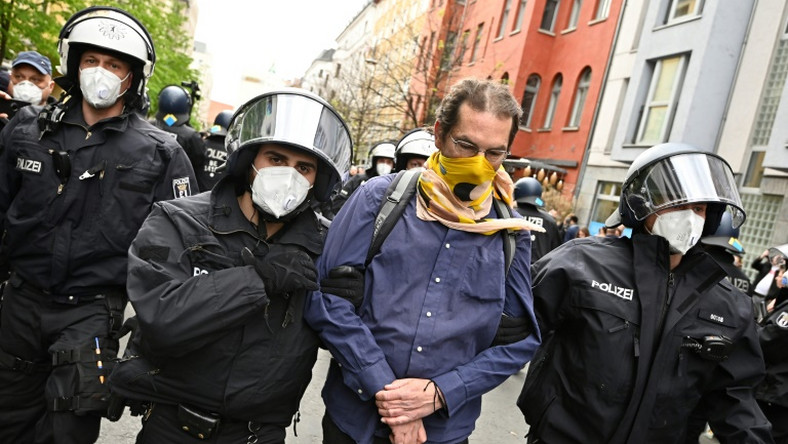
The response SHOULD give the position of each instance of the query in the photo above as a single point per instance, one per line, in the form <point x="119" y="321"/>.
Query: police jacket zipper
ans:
<point x="665" y="302"/>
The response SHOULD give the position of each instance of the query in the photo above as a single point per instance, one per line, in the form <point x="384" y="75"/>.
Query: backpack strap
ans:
<point x="509" y="235"/>
<point x="396" y="198"/>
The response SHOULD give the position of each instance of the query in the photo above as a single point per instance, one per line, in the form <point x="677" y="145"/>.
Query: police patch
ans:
<point x="181" y="187"/>
<point x="28" y="165"/>
<point x="782" y="320"/>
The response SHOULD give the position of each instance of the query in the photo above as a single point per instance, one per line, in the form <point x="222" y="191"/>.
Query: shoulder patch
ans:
<point x="28" y="165"/>
<point x="181" y="187"/>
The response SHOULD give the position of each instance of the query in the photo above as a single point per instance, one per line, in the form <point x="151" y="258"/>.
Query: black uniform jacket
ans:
<point x="619" y="363"/>
<point x="71" y="202"/>
<point x="191" y="141"/>
<point x="211" y="337"/>
<point x="774" y="340"/>
<point x="541" y="243"/>
<point x="215" y="157"/>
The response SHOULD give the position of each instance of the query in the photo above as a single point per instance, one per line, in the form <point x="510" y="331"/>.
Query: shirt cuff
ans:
<point x="367" y="382"/>
<point x="453" y="389"/>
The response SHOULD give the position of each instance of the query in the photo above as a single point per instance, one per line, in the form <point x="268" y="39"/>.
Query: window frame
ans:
<point x="670" y="104"/>
<point x="602" y="9"/>
<point x="555" y="95"/>
<point x="477" y="42"/>
<point x="574" y="15"/>
<point x="581" y="94"/>
<point x="518" y="21"/>
<point x="533" y="90"/>
<point x="551" y="28"/>
<point x="504" y="18"/>
<point x="674" y="4"/>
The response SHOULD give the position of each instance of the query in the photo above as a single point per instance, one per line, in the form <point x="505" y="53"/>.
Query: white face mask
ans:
<point x="682" y="229"/>
<point x="100" y="87"/>
<point x="279" y="190"/>
<point x="382" y="168"/>
<point x="27" y="91"/>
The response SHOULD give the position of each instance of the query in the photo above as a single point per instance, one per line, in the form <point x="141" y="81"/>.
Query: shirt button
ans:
<point x="448" y="245"/>
<point x="437" y="279"/>
<point x="360" y="391"/>
<point x="71" y="298"/>
<point x="418" y="349"/>
<point x="429" y="314"/>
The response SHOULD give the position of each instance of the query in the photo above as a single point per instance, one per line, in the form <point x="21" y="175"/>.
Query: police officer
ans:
<point x="640" y="330"/>
<point x="381" y="163"/>
<point x="78" y="179"/>
<point x="215" y="152"/>
<point x="175" y="107"/>
<point x="218" y="282"/>
<point x="414" y="148"/>
<point x="528" y="195"/>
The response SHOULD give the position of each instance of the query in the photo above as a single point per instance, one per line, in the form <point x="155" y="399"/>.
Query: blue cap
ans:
<point x="34" y="59"/>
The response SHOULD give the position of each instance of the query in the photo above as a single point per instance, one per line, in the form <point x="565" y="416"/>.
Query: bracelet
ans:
<point x="437" y="396"/>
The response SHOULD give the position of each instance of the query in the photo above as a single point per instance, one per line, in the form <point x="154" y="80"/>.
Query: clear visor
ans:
<point x="682" y="179"/>
<point x="296" y="120"/>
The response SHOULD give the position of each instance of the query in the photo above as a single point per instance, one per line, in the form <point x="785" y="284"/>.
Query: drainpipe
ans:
<point x="587" y="151"/>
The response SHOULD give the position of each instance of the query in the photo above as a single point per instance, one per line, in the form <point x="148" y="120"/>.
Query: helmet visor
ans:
<point x="296" y="120"/>
<point x="682" y="179"/>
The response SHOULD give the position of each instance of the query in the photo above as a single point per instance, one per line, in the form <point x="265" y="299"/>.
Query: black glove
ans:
<point x="283" y="271"/>
<point x="511" y="330"/>
<point x="346" y="282"/>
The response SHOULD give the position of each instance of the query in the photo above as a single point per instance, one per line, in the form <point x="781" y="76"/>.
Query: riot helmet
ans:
<point x="297" y="119"/>
<point x="674" y="174"/>
<point x="417" y="143"/>
<point x="112" y="30"/>
<point x="529" y="191"/>
<point x="175" y="106"/>
<point x="381" y="150"/>
<point x="220" y="123"/>
<point x="726" y="236"/>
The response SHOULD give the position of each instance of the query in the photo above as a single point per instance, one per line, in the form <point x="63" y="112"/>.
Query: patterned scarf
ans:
<point x="458" y="193"/>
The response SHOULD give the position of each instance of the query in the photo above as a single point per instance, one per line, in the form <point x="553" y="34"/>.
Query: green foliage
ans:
<point x="35" y="25"/>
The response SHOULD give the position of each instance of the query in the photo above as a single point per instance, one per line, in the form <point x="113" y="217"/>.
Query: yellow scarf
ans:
<point x="458" y="193"/>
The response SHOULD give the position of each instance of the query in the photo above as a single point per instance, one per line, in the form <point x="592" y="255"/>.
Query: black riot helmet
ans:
<point x="175" y="105"/>
<point x="726" y="236"/>
<point x="529" y="191"/>
<point x="220" y="123"/>
<point x="673" y="174"/>
<point x="109" y="30"/>
<point x="299" y="120"/>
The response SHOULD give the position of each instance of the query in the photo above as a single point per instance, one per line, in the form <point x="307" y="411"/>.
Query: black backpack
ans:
<point x="397" y="196"/>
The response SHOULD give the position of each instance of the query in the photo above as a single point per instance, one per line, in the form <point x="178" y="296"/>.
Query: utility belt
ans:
<point x="201" y="424"/>
<point x="115" y="299"/>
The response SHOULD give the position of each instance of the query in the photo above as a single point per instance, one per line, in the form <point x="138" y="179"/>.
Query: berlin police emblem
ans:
<point x="112" y="30"/>
<point x="782" y="319"/>
<point x="181" y="187"/>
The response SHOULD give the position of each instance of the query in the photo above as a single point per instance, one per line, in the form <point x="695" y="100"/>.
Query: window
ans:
<point x="518" y="23"/>
<point x="504" y="16"/>
<point x="605" y="204"/>
<point x="477" y="42"/>
<point x="602" y="9"/>
<point x="662" y="97"/>
<point x="505" y="78"/>
<point x="771" y="95"/>
<point x="580" y="98"/>
<point x="448" y="49"/>
<point x="548" y="16"/>
<point x="463" y="46"/>
<point x="574" y="16"/>
<point x="555" y="93"/>
<point x="754" y="173"/>
<point x="339" y="68"/>
<point x="682" y="9"/>
<point x="529" y="99"/>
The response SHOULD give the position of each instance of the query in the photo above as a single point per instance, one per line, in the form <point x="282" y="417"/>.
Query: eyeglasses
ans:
<point x="471" y="150"/>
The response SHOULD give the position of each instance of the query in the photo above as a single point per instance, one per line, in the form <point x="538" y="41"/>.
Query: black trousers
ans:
<point x="32" y="328"/>
<point x="333" y="435"/>
<point x="162" y="426"/>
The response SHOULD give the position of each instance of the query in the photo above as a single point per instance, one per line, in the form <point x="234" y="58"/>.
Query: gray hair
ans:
<point x="481" y="95"/>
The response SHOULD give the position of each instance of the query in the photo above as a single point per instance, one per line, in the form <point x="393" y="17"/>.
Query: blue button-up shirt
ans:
<point x="433" y="300"/>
